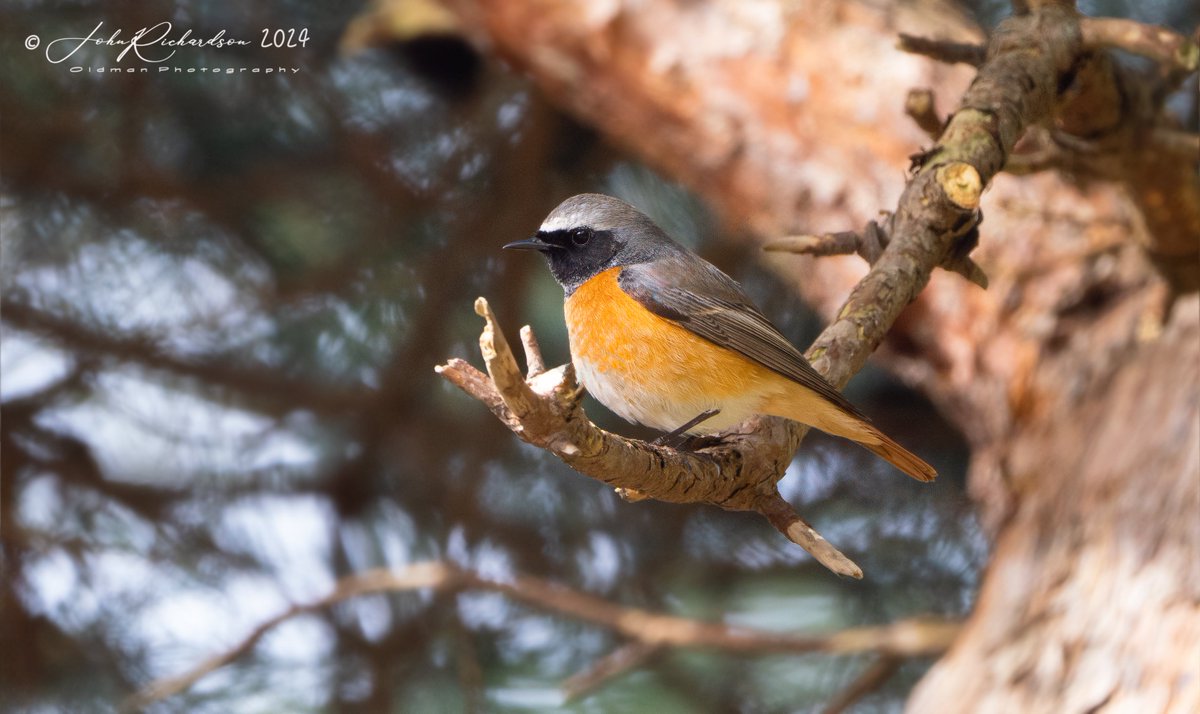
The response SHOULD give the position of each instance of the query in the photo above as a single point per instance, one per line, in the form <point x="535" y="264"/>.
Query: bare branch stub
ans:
<point x="943" y="50"/>
<point x="921" y="107"/>
<point x="841" y="243"/>
<point x="785" y="519"/>
<point x="534" y="363"/>
<point x="869" y="243"/>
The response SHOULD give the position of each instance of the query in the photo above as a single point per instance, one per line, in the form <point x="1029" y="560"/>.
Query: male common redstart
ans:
<point x="659" y="335"/>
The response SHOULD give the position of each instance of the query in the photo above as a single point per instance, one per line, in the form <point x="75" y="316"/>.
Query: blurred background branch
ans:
<point x="653" y="631"/>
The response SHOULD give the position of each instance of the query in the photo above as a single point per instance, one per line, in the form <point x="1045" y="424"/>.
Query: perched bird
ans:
<point x="663" y="338"/>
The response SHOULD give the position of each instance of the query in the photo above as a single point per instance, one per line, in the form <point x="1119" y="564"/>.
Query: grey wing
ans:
<point x="694" y="294"/>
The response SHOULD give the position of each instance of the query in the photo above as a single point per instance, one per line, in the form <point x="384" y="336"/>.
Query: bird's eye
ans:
<point x="580" y="237"/>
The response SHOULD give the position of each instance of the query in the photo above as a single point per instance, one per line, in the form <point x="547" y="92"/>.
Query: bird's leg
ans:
<point x="676" y="438"/>
<point x="577" y="395"/>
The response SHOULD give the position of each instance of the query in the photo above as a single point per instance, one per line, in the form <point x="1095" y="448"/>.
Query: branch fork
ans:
<point x="962" y="187"/>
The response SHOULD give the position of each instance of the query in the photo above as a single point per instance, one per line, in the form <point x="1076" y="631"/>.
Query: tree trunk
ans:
<point x="1092" y="598"/>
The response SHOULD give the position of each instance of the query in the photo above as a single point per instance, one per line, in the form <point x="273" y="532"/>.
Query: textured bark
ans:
<point x="1092" y="599"/>
<point x="1081" y="410"/>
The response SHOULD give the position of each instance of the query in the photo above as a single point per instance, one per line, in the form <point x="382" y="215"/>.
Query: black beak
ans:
<point x="534" y="243"/>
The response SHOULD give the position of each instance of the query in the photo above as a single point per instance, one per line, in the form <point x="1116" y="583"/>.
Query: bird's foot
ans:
<point x="678" y="437"/>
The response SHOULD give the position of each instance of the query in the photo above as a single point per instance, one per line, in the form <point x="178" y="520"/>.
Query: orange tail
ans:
<point x="897" y="455"/>
<point x="808" y="407"/>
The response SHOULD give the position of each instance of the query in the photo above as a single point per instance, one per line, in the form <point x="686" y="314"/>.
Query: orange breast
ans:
<point x="648" y="369"/>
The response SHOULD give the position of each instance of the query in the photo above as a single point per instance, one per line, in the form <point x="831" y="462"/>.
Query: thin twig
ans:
<point x="841" y="243"/>
<point x="463" y="375"/>
<point x="872" y="678"/>
<point x="534" y="363"/>
<point x="868" y="243"/>
<point x="609" y="667"/>
<point x="470" y="671"/>
<point x="1183" y="143"/>
<point x="943" y="50"/>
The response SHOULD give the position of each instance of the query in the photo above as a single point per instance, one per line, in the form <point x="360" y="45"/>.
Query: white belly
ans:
<point x="652" y="408"/>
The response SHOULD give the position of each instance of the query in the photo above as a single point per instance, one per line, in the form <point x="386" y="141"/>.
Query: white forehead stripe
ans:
<point x="565" y="219"/>
<point x="592" y="210"/>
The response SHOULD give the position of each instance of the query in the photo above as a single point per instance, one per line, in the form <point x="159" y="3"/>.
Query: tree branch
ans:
<point x="611" y="666"/>
<point x="420" y="575"/>
<point x="1107" y="123"/>
<point x="265" y="387"/>
<point x="1171" y="50"/>
<point x="917" y="637"/>
<point x="738" y="473"/>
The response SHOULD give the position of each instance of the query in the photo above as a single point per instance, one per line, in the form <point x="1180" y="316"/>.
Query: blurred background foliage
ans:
<point x="223" y="298"/>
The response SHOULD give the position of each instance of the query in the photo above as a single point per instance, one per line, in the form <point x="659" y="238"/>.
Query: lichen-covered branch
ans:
<point x="1108" y="124"/>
